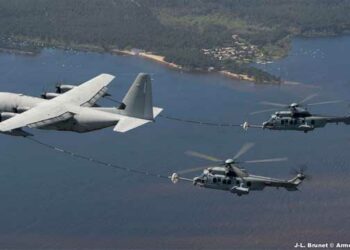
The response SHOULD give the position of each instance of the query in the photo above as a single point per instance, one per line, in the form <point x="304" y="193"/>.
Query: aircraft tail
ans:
<point x="295" y="182"/>
<point x="137" y="106"/>
<point x="347" y="120"/>
<point x="138" y="101"/>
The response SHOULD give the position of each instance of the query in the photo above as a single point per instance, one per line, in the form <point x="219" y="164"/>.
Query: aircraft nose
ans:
<point x="196" y="180"/>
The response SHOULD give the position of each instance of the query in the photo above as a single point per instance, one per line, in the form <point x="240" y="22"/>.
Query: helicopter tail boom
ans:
<point x="344" y="119"/>
<point x="293" y="183"/>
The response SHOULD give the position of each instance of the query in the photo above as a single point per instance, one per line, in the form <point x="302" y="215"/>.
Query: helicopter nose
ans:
<point x="265" y="124"/>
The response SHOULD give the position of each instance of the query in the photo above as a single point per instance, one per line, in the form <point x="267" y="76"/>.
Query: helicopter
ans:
<point x="297" y="117"/>
<point x="227" y="175"/>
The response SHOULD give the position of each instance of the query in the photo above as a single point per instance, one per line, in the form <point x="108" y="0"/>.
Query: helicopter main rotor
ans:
<point x="293" y="107"/>
<point x="228" y="163"/>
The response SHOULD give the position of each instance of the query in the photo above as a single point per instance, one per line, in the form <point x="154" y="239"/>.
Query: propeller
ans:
<point x="301" y="170"/>
<point x="308" y="98"/>
<point x="294" y="105"/>
<point x="326" y="102"/>
<point x="203" y="156"/>
<point x="227" y="163"/>
<point x="280" y="105"/>
<point x="262" y="111"/>
<point x="265" y="160"/>
<point x="58" y="88"/>
<point x="191" y="170"/>
<point x="244" y="149"/>
<point x="43" y="92"/>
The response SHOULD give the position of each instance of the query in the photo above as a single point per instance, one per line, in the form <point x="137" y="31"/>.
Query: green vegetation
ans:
<point x="180" y="30"/>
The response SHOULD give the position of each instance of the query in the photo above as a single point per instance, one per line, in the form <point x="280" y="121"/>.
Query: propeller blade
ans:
<point x="191" y="170"/>
<point x="266" y="160"/>
<point x="243" y="150"/>
<point x="326" y="102"/>
<point x="308" y="98"/>
<point x="202" y="156"/>
<point x="262" y="111"/>
<point x="308" y="177"/>
<point x="301" y="170"/>
<point x="274" y="104"/>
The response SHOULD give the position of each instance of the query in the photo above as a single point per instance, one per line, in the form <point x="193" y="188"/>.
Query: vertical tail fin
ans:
<point x="138" y="101"/>
<point x="137" y="106"/>
<point x="295" y="182"/>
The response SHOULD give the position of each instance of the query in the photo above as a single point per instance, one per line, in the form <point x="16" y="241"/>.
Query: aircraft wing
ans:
<point x="42" y="115"/>
<point x="88" y="93"/>
<point x="62" y="107"/>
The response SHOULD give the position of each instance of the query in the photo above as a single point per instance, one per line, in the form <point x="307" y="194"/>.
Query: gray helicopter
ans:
<point x="297" y="117"/>
<point x="229" y="176"/>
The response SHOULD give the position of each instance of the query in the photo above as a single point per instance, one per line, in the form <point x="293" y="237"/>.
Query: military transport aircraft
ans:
<point x="229" y="176"/>
<point x="73" y="108"/>
<point x="297" y="117"/>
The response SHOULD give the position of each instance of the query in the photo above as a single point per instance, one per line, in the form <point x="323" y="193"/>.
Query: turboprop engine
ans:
<point x="48" y="95"/>
<point x="19" y="110"/>
<point x="6" y="115"/>
<point x="62" y="88"/>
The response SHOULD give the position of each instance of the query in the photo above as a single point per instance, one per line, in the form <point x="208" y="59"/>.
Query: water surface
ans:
<point x="49" y="200"/>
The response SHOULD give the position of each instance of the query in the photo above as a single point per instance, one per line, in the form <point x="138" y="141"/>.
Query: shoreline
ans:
<point x="147" y="55"/>
<point x="139" y="53"/>
<point x="161" y="59"/>
<point x="17" y="52"/>
<point x="237" y="76"/>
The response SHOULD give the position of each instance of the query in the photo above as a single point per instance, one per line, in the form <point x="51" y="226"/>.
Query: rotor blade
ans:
<point x="308" y="98"/>
<point x="308" y="177"/>
<point x="274" y="104"/>
<point x="243" y="150"/>
<point x="326" y="102"/>
<point x="203" y="156"/>
<point x="186" y="171"/>
<point x="266" y="160"/>
<point x="262" y="111"/>
<point x="303" y="168"/>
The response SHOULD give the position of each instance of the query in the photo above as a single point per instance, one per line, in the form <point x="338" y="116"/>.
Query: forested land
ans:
<point x="177" y="29"/>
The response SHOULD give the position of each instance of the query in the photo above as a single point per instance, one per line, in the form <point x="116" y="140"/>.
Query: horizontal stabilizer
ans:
<point x="156" y="111"/>
<point x="128" y="123"/>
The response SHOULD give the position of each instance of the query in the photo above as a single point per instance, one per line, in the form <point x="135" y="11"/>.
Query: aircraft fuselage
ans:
<point x="304" y="124"/>
<point x="85" y="120"/>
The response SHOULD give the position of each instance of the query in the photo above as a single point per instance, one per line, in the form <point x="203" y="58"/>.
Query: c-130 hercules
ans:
<point x="74" y="108"/>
